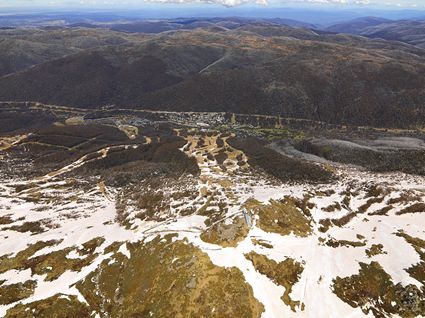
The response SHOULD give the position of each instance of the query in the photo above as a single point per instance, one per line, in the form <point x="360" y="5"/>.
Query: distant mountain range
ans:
<point x="211" y="167"/>
<point x="408" y="31"/>
<point x="229" y="65"/>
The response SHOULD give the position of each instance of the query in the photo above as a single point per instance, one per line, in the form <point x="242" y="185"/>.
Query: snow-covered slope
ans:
<point x="288" y="249"/>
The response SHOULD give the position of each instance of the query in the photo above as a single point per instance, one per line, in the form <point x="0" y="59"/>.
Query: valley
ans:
<point x="212" y="166"/>
<point x="105" y="212"/>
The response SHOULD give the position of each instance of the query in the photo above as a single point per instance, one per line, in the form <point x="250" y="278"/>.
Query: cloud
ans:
<point x="227" y="3"/>
<point x="342" y="2"/>
<point x="362" y="2"/>
<point x="231" y="3"/>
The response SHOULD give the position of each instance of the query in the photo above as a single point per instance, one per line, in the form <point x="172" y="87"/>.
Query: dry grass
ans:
<point x="285" y="273"/>
<point x="167" y="278"/>
<point x="283" y="217"/>
<point x="373" y="291"/>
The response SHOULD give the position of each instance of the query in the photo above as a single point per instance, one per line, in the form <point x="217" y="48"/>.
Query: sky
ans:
<point x="385" y="4"/>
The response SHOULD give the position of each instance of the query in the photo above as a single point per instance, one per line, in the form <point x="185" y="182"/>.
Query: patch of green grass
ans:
<point x="271" y="134"/>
